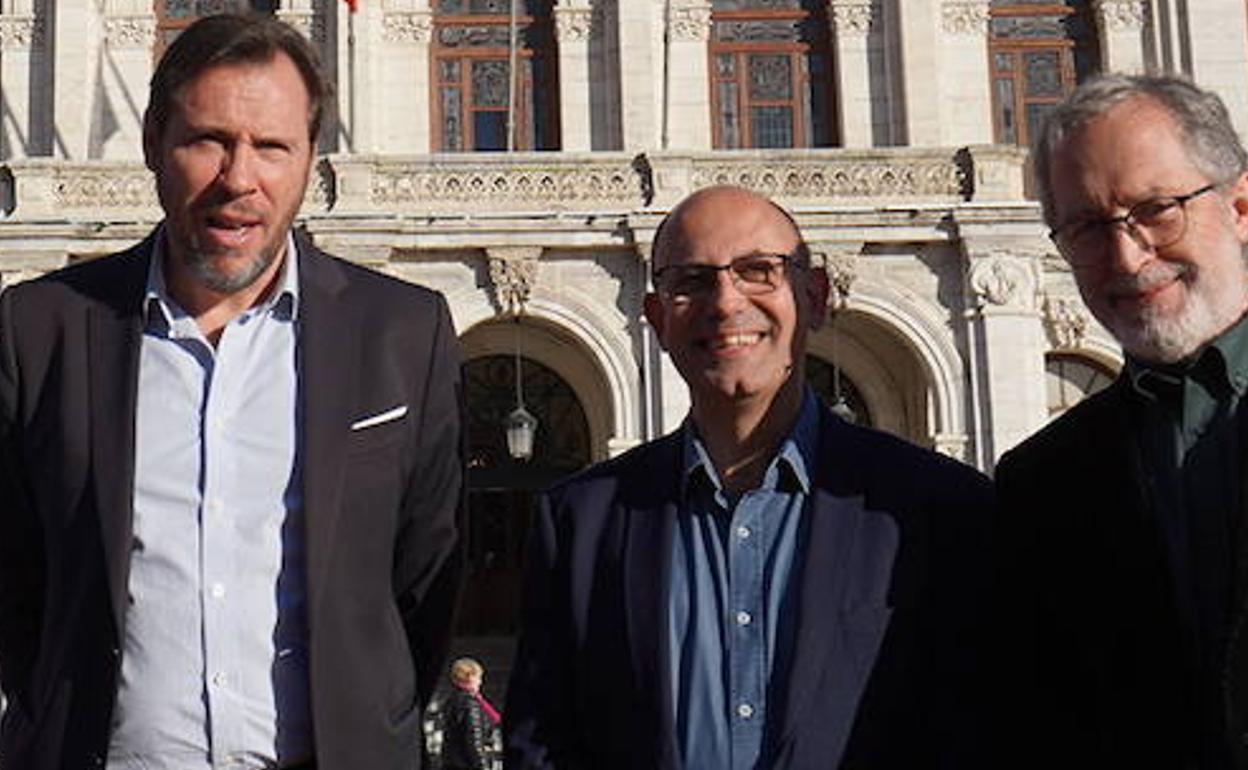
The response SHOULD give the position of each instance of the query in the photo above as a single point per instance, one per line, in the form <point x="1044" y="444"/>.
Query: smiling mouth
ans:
<point x="735" y="341"/>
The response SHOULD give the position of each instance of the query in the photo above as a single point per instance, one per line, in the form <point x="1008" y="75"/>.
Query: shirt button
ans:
<point x="218" y="590"/>
<point x="744" y="532"/>
<point x="745" y="711"/>
<point x="218" y="680"/>
<point x="744" y="618"/>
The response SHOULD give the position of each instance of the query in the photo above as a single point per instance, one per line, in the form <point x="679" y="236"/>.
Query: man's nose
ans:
<point x="725" y="294"/>
<point x="1128" y="247"/>
<point x="238" y="170"/>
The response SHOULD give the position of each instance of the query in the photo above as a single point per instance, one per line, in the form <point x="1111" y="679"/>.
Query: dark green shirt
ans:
<point x="1187" y="416"/>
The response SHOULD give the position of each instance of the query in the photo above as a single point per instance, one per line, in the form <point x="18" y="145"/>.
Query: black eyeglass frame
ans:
<point x="735" y="265"/>
<point x="1131" y="220"/>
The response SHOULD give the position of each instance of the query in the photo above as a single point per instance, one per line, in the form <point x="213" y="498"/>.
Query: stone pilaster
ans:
<point x="576" y="24"/>
<point x="852" y="24"/>
<point x="688" y="92"/>
<point x="1121" y="27"/>
<point x="966" y="99"/>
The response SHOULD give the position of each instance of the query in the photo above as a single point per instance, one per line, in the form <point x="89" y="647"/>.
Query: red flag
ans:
<point x="351" y="4"/>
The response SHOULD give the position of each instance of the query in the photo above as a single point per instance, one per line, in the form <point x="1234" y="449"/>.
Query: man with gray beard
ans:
<point x="1124" y="548"/>
<point x="230" y="475"/>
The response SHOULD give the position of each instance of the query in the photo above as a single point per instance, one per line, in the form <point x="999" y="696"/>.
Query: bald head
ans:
<point x="709" y="212"/>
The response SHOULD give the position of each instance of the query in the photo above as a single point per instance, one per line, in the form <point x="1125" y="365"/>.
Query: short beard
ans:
<point x="206" y="273"/>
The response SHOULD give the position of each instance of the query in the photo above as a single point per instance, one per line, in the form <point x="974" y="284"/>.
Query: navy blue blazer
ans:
<point x="885" y="671"/>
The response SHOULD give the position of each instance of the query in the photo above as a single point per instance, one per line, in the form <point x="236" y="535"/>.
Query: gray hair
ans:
<point x="1208" y="134"/>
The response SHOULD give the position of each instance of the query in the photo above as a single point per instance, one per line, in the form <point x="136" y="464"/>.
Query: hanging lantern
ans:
<point x="521" y="429"/>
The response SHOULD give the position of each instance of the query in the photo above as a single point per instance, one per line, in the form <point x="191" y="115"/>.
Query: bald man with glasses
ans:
<point x="1124" y="559"/>
<point x="768" y="586"/>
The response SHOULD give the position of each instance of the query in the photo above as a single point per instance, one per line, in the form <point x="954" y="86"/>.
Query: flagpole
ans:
<point x="351" y="75"/>
<point x="511" y="82"/>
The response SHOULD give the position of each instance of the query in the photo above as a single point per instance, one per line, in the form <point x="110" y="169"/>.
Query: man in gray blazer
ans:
<point x="230" y="473"/>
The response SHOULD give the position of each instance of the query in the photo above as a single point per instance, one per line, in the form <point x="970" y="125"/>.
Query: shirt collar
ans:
<point x="1222" y="367"/>
<point x="788" y="469"/>
<point x="162" y="311"/>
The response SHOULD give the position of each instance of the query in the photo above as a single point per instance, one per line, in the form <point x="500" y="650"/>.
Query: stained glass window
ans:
<point x="471" y="55"/>
<point x="1038" y="52"/>
<point x="771" y="77"/>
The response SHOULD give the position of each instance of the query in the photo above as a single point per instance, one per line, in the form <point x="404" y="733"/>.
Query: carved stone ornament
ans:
<point x="842" y="270"/>
<point x="1121" y="15"/>
<point x="399" y="183"/>
<point x="513" y="274"/>
<point x="951" y="445"/>
<point x="690" y="23"/>
<point x="577" y="25"/>
<point x="853" y="17"/>
<point x="839" y="178"/>
<point x="309" y="23"/>
<point x="119" y="187"/>
<point x="1003" y="281"/>
<point x="407" y="27"/>
<point x="965" y="17"/>
<point x="1066" y="322"/>
<point x="22" y="32"/>
<point x="130" y="31"/>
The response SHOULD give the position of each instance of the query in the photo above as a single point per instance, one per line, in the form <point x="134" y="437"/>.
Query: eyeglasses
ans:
<point x="751" y="274"/>
<point x="1154" y="223"/>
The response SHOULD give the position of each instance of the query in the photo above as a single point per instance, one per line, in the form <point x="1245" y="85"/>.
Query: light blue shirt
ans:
<point x="733" y="590"/>
<point x="214" y="671"/>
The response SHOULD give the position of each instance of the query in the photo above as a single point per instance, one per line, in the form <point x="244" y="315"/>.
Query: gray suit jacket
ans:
<point x="382" y="506"/>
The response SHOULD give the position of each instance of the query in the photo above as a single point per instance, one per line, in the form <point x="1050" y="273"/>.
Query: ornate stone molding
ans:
<point x="1066" y="322"/>
<point x="951" y="445"/>
<point x="407" y="27"/>
<point x="853" y="17"/>
<point x="129" y="31"/>
<point x="965" y="17"/>
<point x="691" y="23"/>
<point x="105" y="187"/>
<point x="847" y="178"/>
<point x="1121" y="15"/>
<point x="577" y="25"/>
<point x="842" y="270"/>
<point x="513" y="275"/>
<point x="1004" y="281"/>
<point x="401" y="183"/>
<point x="310" y="23"/>
<point x="22" y="32"/>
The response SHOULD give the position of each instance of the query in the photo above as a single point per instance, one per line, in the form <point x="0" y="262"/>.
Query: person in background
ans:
<point x="469" y="722"/>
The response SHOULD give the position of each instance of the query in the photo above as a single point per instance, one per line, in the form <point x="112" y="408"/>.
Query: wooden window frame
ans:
<point x="1016" y="49"/>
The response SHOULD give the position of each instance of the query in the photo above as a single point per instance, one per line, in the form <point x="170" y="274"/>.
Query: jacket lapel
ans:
<point x="650" y="526"/>
<point x="327" y="369"/>
<point x="843" y="607"/>
<point x="114" y="328"/>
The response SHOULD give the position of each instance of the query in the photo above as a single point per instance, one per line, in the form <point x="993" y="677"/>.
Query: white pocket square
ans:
<point x="377" y="419"/>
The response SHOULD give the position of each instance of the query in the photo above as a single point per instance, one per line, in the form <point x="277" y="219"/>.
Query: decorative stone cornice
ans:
<point x="108" y="186"/>
<point x="1004" y="281"/>
<point x="513" y="275"/>
<point x="22" y="32"/>
<point x="578" y="25"/>
<point x="839" y="178"/>
<point x="129" y="31"/>
<point x="965" y="17"/>
<point x="1066" y="322"/>
<point x="1121" y="15"/>
<point x="692" y="22"/>
<point x="407" y="27"/>
<point x="853" y="17"/>
<point x="400" y="183"/>
<point x="310" y="23"/>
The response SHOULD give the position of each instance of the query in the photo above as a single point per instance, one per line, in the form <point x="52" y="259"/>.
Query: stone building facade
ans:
<point x="890" y="129"/>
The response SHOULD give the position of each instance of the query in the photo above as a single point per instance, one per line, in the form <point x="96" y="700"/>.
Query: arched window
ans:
<point x="1038" y="52"/>
<point x="471" y="60"/>
<point x="831" y="385"/>
<point x="771" y="74"/>
<point x="173" y="16"/>
<point x="1070" y="379"/>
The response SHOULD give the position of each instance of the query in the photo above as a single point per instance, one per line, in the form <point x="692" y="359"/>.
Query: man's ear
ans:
<point x="652" y="306"/>
<point x="816" y="290"/>
<point x="1237" y="194"/>
<point x="151" y="145"/>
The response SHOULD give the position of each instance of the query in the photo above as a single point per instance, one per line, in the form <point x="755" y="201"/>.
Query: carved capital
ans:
<point x="309" y="23"/>
<point x="22" y="32"/>
<point x="577" y="25"/>
<point x="1066" y="322"/>
<point x="852" y="17"/>
<point x="129" y="31"/>
<point x="407" y="27"/>
<point x="513" y="274"/>
<point x="1121" y="15"/>
<point x="951" y="445"/>
<point x="842" y="269"/>
<point x="965" y="17"/>
<point x="1005" y="281"/>
<point x="690" y="22"/>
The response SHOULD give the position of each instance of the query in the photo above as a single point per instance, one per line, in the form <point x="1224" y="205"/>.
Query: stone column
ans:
<point x="1121" y="26"/>
<point x="919" y="32"/>
<point x="1217" y="47"/>
<point x="966" y="98"/>
<point x="851" y="22"/>
<point x="23" y="58"/>
<point x="1007" y="344"/>
<point x="123" y="69"/>
<point x="640" y="33"/>
<point x="688" y="93"/>
<point x="576" y="23"/>
<point x="405" y="123"/>
<point x="75" y="58"/>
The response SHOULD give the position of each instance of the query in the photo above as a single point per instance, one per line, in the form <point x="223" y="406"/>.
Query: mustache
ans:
<point x="1153" y="275"/>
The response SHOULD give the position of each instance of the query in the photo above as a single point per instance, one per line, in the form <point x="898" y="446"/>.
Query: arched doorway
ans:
<point x="833" y="385"/>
